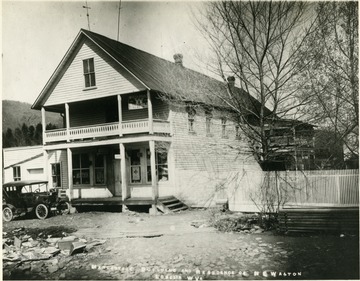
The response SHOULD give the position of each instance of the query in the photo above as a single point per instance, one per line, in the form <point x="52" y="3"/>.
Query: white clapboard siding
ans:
<point x="82" y="116"/>
<point x="18" y="154"/>
<point x="111" y="79"/>
<point x="28" y="158"/>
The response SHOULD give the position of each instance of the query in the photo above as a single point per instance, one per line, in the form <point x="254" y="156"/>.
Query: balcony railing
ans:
<point x="108" y="129"/>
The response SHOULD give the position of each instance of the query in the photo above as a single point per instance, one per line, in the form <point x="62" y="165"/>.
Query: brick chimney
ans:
<point x="178" y="58"/>
<point x="231" y="81"/>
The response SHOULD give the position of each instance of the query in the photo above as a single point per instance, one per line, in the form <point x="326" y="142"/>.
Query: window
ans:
<point x="56" y="174"/>
<point x="137" y="102"/>
<point x="89" y="73"/>
<point x="191" y="117"/>
<point x="81" y="169"/>
<point x="99" y="169"/>
<point x="162" y="170"/>
<point x="16" y="173"/>
<point x="223" y="127"/>
<point x="161" y="165"/>
<point x="237" y="132"/>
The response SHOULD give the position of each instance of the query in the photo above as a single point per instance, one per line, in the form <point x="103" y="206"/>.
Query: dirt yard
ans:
<point x="140" y="246"/>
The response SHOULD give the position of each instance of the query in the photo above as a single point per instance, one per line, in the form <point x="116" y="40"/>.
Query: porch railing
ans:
<point x="93" y="131"/>
<point x="108" y="129"/>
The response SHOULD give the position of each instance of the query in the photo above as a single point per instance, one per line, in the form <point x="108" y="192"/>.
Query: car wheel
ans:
<point x="41" y="211"/>
<point x="64" y="208"/>
<point x="8" y="214"/>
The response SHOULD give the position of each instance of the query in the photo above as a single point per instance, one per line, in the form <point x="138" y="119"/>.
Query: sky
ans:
<point x="37" y="34"/>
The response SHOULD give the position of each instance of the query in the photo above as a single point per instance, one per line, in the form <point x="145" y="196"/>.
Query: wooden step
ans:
<point x="178" y="203"/>
<point x="171" y="205"/>
<point x="168" y="200"/>
<point x="180" y="209"/>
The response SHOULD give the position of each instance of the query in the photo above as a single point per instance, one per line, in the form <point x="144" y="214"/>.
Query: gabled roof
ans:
<point x="155" y="73"/>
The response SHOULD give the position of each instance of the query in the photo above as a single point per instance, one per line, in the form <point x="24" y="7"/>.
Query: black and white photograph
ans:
<point x="180" y="140"/>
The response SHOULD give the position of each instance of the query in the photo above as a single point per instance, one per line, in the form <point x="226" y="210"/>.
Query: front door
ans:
<point x="117" y="173"/>
<point x="136" y="166"/>
<point x="139" y="170"/>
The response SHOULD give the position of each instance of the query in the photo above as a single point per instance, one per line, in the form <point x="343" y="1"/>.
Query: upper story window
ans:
<point x="89" y="73"/>
<point x="137" y="102"/>
<point x="16" y="173"/>
<point x="223" y="127"/>
<point x="56" y="174"/>
<point x="191" y="117"/>
<point x="208" y="115"/>
<point x="237" y="132"/>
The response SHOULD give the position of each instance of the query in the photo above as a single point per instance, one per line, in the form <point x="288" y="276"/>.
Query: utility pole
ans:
<point x="118" y="31"/>
<point x="87" y="13"/>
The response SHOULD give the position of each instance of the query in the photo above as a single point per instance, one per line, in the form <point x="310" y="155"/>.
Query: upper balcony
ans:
<point x="137" y="113"/>
<point x="107" y="130"/>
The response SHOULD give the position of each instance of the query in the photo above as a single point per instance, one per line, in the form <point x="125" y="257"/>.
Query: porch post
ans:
<point x="124" y="191"/>
<point x="70" y="173"/>
<point x="155" y="189"/>
<point x="120" y="114"/>
<point x="43" y="122"/>
<point x="150" y="113"/>
<point x="67" y="119"/>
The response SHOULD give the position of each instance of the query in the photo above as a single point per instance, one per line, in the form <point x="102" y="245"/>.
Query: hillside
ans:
<point x="15" y="113"/>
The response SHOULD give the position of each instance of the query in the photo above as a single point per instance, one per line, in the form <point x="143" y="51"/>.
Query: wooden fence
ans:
<point x="324" y="188"/>
<point x="297" y="189"/>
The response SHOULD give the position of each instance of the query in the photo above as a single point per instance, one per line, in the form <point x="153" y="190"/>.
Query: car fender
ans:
<point x="9" y="205"/>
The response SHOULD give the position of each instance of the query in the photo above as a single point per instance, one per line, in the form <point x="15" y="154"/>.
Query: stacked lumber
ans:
<point x="330" y="220"/>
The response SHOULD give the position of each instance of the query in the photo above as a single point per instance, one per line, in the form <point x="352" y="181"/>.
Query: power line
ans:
<point x="118" y="31"/>
<point x="87" y="13"/>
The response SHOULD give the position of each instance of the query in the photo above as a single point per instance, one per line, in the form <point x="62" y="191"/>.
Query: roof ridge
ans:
<point x="147" y="53"/>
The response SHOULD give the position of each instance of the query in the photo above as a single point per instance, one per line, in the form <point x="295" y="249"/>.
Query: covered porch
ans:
<point x="119" y="173"/>
<point x="107" y="117"/>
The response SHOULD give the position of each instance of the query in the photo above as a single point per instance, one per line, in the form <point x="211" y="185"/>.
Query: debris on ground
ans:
<point x="199" y="224"/>
<point x="20" y="249"/>
<point x="236" y="223"/>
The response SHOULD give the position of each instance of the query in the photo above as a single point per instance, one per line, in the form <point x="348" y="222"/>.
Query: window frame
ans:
<point x="55" y="175"/>
<point x="191" y="118"/>
<point x="134" y="105"/>
<point x="223" y="127"/>
<point x="157" y="165"/>
<point x="237" y="132"/>
<point x="17" y="173"/>
<point x="208" y="118"/>
<point x="81" y="169"/>
<point x="96" y="168"/>
<point x="89" y="73"/>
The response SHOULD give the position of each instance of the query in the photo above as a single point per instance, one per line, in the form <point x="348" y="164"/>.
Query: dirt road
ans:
<point x="139" y="246"/>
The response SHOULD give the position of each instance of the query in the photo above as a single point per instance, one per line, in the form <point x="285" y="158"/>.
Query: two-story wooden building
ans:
<point x="139" y="129"/>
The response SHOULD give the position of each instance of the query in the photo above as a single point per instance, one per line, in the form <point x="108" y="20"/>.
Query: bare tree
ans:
<point x="330" y="72"/>
<point x="259" y="43"/>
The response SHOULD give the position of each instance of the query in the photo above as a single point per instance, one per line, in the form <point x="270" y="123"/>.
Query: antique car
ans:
<point x="32" y="196"/>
